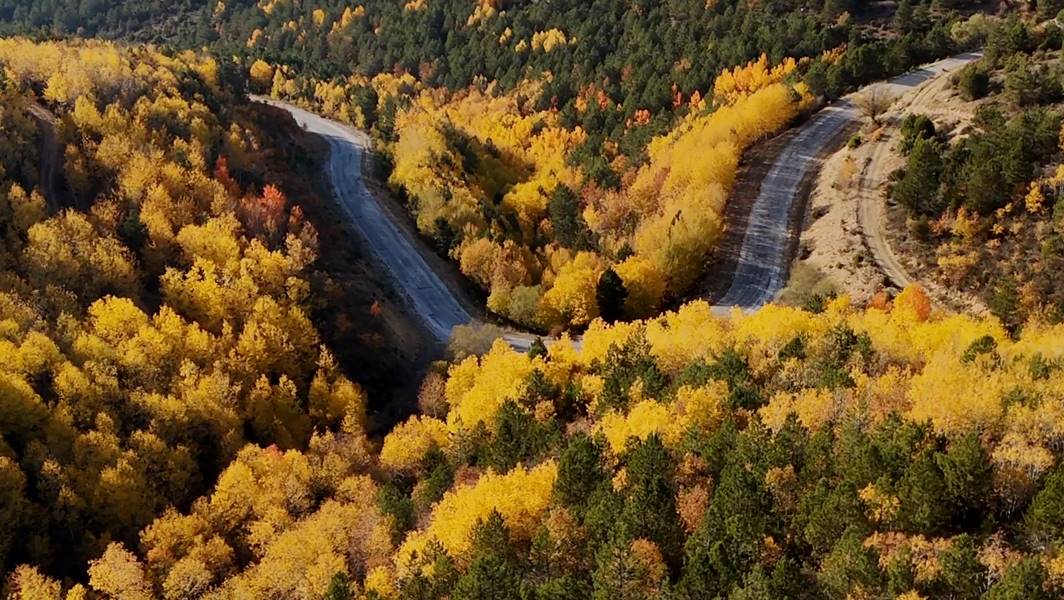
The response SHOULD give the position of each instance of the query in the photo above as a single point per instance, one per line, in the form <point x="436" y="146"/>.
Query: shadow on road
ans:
<point x="915" y="78"/>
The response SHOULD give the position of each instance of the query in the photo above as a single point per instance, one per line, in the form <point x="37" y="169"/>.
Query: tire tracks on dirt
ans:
<point x="771" y="232"/>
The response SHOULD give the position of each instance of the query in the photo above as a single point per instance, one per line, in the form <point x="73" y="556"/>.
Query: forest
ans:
<point x="541" y="146"/>
<point x="155" y="309"/>
<point x="578" y="180"/>
<point x="175" y="422"/>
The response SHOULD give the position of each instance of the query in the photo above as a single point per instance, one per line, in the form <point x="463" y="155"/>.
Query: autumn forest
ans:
<point x="211" y="388"/>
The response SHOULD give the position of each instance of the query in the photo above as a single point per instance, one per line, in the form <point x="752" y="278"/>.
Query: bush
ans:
<point x="473" y="340"/>
<point x="1007" y="39"/>
<point x="917" y="190"/>
<point x="874" y="101"/>
<point x="816" y="77"/>
<point x="1028" y="84"/>
<point x="973" y="81"/>
<point x="570" y="229"/>
<point x="915" y="127"/>
<point x="921" y="228"/>
<point x="1003" y="300"/>
<point x="1048" y="9"/>
<point x="855" y="141"/>
<point x="999" y="163"/>
<point x="610" y="295"/>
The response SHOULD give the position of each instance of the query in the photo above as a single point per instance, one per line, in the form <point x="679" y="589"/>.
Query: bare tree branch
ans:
<point x="874" y="101"/>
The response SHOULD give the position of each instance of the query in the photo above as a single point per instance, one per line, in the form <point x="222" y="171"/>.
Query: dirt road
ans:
<point x="871" y="210"/>
<point x="769" y="240"/>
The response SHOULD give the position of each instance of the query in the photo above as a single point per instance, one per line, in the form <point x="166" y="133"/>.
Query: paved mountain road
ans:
<point x="427" y="294"/>
<point x="766" y="252"/>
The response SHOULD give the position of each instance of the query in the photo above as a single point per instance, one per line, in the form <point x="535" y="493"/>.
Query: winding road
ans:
<point x="767" y="248"/>
<point x="764" y="256"/>
<point x="435" y="303"/>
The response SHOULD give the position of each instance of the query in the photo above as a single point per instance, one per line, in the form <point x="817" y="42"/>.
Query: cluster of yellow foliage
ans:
<point x="407" y="444"/>
<point x="731" y="86"/>
<point x="925" y="376"/>
<point x="520" y="496"/>
<point x="268" y="6"/>
<point x="814" y="409"/>
<point x="483" y="11"/>
<point x="523" y="155"/>
<point x="692" y="408"/>
<point x="117" y="412"/>
<point x="677" y="199"/>
<point x="520" y="157"/>
<point x="349" y="16"/>
<point x="261" y="75"/>
<point x="923" y="555"/>
<point x="547" y="41"/>
<point x="264" y="502"/>
<point x="100" y="70"/>
<point x="669" y="211"/>
<point x="478" y="387"/>
<point x="571" y="297"/>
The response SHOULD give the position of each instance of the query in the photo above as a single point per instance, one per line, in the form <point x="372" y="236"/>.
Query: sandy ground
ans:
<point x="832" y="255"/>
<point x="854" y="241"/>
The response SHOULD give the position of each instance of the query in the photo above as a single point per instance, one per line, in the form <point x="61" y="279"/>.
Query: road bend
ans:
<point x="426" y="293"/>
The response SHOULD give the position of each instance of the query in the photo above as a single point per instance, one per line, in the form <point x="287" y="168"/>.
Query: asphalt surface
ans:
<point x="423" y="289"/>
<point x="767" y="248"/>
<point x="764" y="258"/>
